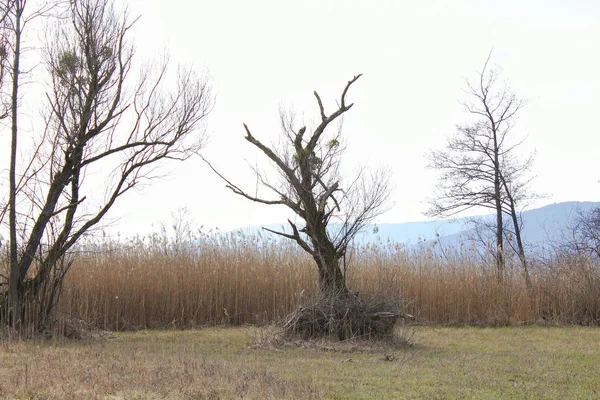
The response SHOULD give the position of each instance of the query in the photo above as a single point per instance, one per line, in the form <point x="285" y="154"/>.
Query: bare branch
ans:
<point x="295" y="236"/>
<point x="343" y="108"/>
<point x="239" y="191"/>
<point x="321" y="108"/>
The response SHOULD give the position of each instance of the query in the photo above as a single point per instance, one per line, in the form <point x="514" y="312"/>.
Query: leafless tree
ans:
<point x="583" y="235"/>
<point x="480" y="168"/>
<point x="311" y="186"/>
<point x="97" y="119"/>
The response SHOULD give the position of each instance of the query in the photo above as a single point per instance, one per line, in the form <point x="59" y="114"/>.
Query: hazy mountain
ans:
<point x="541" y="225"/>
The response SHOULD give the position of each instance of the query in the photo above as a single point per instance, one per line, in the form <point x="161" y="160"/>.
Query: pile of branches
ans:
<point x="345" y="316"/>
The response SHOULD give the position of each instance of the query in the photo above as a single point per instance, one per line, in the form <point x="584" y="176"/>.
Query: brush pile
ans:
<point x="345" y="316"/>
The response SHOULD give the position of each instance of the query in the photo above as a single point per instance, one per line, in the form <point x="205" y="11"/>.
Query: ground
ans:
<point x="465" y="362"/>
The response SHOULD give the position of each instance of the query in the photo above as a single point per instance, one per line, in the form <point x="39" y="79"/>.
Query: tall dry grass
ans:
<point x="151" y="282"/>
<point x="236" y="279"/>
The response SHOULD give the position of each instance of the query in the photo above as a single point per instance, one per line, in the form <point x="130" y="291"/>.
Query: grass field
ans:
<point x="511" y="362"/>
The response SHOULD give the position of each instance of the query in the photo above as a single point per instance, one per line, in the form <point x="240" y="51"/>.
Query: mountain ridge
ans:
<point x="541" y="225"/>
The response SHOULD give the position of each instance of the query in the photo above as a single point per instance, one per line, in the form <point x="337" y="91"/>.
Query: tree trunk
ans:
<point x="15" y="285"/>
<point x="520" y="248"/>
<point x="498" y="200"/>
<point x="331" y="278"/>
<point x="523" y="259"/>
<point x="499" y="230"/>
<point x="499" y="246"/>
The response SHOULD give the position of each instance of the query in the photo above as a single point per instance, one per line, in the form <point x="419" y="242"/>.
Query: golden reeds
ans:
<point x="237" y="279"/>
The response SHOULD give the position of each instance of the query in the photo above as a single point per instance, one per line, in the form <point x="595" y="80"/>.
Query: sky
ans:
<point x="414" y="56"/>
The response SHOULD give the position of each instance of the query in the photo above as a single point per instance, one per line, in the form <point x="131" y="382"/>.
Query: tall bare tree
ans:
<point x="480" y="167"/>
<point x="311" y="186"/>
<point x="97" y="119"/>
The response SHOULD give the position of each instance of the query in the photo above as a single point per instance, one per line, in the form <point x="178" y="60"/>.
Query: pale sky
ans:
<point x="415" y="57"/>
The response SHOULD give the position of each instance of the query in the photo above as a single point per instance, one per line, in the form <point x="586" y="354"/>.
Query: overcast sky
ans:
<point x="415" y="57"/>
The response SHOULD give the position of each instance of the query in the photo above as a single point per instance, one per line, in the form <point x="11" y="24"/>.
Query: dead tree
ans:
<point x="97" y="120"/>
<point x="480" y="168"/>
<point x="312" y="188"/>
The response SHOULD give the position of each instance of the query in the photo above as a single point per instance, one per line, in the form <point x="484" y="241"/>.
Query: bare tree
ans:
<point x="96" y="120"/>
<point x="582" y="236"/>
<point x="332" y="213"/>
<point x="311" y="187"/>
<point x="480" y="168"/>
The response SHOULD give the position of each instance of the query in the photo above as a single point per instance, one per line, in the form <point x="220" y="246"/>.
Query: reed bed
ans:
<point x="233" y="279"/>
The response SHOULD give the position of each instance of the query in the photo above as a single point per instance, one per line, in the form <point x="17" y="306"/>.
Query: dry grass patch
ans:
<point x="525" y="362"/>
<point x="145" y="365"/>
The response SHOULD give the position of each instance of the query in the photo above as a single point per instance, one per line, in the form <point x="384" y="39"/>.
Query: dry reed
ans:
<point x="233" y="279"/>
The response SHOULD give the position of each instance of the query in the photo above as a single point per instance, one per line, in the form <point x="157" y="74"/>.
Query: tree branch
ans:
<point x="295" y="236"/>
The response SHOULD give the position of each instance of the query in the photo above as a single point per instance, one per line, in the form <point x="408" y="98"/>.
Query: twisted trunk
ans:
<point x="325" y="253"/>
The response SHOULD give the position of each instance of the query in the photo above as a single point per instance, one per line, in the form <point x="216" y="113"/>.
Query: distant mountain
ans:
<point x="541" y="225"/>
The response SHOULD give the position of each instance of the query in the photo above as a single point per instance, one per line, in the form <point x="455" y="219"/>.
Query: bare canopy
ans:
<point x="479" y="167"/>
<point x="332" y="210"/>
<point x="98" y="118"/>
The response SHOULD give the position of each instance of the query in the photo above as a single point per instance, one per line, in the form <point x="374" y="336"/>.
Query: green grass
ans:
<point x="513" y="362"/>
